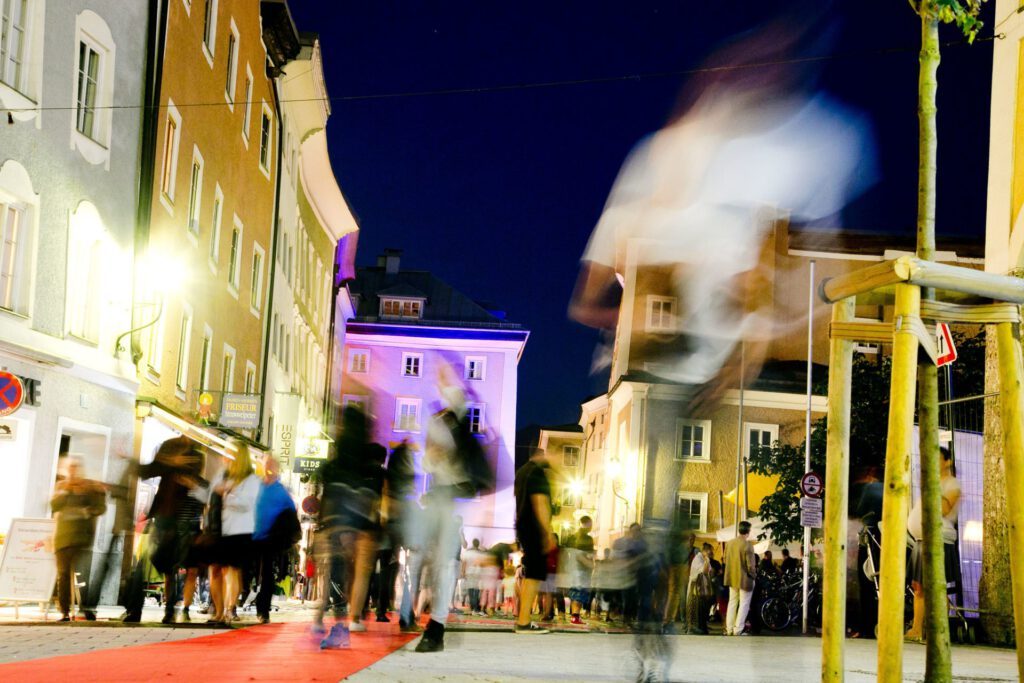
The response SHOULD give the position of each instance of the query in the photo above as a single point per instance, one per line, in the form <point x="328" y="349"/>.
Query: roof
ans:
<point x="779" y="376"/>
<point x="856" y="242"/>
<point x="445" y="306"/>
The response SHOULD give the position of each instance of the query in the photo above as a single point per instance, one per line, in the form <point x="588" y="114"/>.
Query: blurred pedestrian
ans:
<point x="76" y="502"/>
<point x="702" y="591"/>
<point x="277" y="529"/>
<point x="533" y="530"/>
<point x="740" y="573"/>
<point x="238" y="487"/>
<point x="580" y="568"/>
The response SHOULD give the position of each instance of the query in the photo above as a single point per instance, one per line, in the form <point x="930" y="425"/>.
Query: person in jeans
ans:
<point x="740" y="570"/>
<point x="77" y="502"/>
<point x="277" y="529"/>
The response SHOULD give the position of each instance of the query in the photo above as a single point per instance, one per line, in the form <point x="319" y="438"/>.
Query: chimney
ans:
<point x="390" y="260"/>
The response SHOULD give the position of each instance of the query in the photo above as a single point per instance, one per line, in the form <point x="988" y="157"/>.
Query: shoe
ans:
<point x="131" y="618"/>
<point x="168" y="618"/>
<point x="433" y="638"/>
<point x="357" y="627"/>
<point x="337" y="639"/>
<point x="409" y="626"/>
<point x="185" y="618"/>
<point x="575" y="619"/>
<point x="530" y="629"/>
<point x="263" y="618"/>
<point x="65" y="618"/>
<point x="383" y="619"/>
<point x="89" y="615"/>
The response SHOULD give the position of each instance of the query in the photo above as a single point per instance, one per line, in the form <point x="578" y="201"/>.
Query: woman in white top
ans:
<point x="238" y="488"/>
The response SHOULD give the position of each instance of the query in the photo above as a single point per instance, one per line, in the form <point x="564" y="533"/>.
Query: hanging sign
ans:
<point x="12" y="393"/>
<point x="947" y="350"/>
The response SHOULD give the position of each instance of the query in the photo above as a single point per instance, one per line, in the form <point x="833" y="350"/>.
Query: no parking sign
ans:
<point x="12" y="393"/>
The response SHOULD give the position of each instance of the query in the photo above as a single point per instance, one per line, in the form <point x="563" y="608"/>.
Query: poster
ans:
<point x="28" y="570"/>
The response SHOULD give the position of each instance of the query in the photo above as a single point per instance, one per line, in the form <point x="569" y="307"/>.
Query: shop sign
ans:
<point x="8" y="430"/>
<point x="241" y="411"/>
<point x="286" y="419"/>
<point x="304" y="465"/>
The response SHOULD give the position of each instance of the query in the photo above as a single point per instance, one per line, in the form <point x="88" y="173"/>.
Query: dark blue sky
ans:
<point x="497" y="192"/>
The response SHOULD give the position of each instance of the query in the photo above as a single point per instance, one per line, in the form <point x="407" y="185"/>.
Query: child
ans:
<point x="508" y="590"/>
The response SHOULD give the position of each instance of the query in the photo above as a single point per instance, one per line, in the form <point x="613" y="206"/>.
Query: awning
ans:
<point x="761" y="486"/>
<point x="213" y="439"/>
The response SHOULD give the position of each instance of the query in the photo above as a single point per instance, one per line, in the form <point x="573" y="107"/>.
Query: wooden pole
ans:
<point x="1011" y="399"/>
<point x="897" y="487"/>
<point x="837" y="470"/>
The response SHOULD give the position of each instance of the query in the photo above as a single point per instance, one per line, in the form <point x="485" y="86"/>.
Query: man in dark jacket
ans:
<point x="77" y="502"/>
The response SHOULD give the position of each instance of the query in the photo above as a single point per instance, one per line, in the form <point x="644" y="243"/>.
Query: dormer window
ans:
<point x="407" y="309"/>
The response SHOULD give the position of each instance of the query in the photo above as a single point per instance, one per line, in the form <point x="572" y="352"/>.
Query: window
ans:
<point x="759" y="436"/>
<point x="693" y="440"/>
<point x="570" y="456"/>
<point x="407" y="415"/>
<point x="155" y="349"/>
<point x="227" y="378"/>
<point x="232" y="70"/>
<point x="210" y="29"/>
<point x="247" y="115"/>
<point x="94" y="88"/>
<point x="692" y="511"/>
<point x="401" y="308"/>
<point x="357" y="400"/>
<point x="17" y="230"/>
<point x="195" y="192"/>
<point x="184" y="337"/>
<point x="235" y="264"/>
<point x="256" y="291"/>
<point x="250" y="377"/>
<point x="204" y="359"/>
<point x="218" y="214"/>
<point x="359" y="360"/>
<point x="87" y="261"/>
<point x="265" y="140"/>
<point x="412" y="364"/>
<point x="475" y="366"/>
<point x="475" y="417"/>
<point x="13" y="42"/>
<point x="85" y="98"/>
<point x="661" y="313"/>
<point x="172" y="135"/>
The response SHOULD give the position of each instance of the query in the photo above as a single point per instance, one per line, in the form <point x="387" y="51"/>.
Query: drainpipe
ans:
<point x="275" y="229"/>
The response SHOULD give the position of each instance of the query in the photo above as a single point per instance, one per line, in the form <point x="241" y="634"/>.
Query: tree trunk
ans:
<point x="996" y="611"/>
<point x="938" y="666"/>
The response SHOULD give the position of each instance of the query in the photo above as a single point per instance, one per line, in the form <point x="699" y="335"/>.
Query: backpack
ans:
<point x="480" y="475"/>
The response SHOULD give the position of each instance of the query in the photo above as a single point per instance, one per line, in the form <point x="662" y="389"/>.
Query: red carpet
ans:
<point x="275" y="652"/>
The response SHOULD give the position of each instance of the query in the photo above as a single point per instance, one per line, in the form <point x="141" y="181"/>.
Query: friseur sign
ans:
<point x="241" y="411"/>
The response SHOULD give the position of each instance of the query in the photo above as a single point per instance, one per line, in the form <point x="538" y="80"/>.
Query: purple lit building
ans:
<point x="406" y="326"/>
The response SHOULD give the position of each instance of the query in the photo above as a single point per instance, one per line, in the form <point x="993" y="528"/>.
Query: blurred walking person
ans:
<point x="76" y="502"/>
<point x="702" y="590"/>
<point x="238" y="488"/>
<point x="277" y="530"/>
<point x="533" y="531"/>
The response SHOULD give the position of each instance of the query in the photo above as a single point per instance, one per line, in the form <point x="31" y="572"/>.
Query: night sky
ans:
<point x="497" y="192"/>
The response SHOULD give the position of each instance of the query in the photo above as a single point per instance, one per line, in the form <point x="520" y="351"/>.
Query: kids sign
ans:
<point x="12" y="393"/>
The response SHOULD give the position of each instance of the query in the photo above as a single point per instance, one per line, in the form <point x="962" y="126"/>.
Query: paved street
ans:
<point x="283" y="651"/>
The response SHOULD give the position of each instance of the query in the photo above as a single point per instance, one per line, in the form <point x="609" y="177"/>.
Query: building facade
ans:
<point x="312" y="217"/>
<point x="409" y="327"/>
<point x="69" y="168"/>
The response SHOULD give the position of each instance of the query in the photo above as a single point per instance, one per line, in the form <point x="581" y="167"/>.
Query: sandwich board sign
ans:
<point x="28" y="568"/>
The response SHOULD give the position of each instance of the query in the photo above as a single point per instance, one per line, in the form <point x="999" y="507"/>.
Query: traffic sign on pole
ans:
<point x="12" y="393"/>
<point x="947" y="350"/>
<point x="811" y="485"/>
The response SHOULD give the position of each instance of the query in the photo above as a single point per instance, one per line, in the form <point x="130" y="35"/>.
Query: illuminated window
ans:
<point x="250" y="377"/>
<point x="256" y="292"/>
<point x="172" y="135"/>
<point x="266" y="137"/>
<point x="184" y="340"/>
<point x="232" y="64"/>
<point x="210" y="27"/>
<point x="87" y="260"/>
<point x="247" y="115"/>
<point x="692" y="511"/>
<point x="359" y="360"/>
<point x="401" y="308"/>
<point x="195" y="192"/>
<point x="218" y="215"/>
<point x="475" y="416"/>
<point x="570" y="456"/>
<point x="204" y="359"/>
<point x="661" y="313"/>
<point x="475" y="366"/>
<point x="227" y="378"/>
<point x="407" y="415"/>
<point x="412" y="364"/>
<point x="235" y="264"/>
<point x="693" y="440"/>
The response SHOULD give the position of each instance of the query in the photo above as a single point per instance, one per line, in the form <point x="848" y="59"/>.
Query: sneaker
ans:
<point x="409" y="627"/>
<point x="531" y="629"/>
<point x="89" y="615"/>
<point x="575" y="619"/>
<point x="433" y="638"/>
<point x="263" y="618"/>
<point x="357" y="627"/>
<point x="185" y="618"/>
<point x="383" y="619"/>
<point x="168" y="618"/>
<point x="66" y="617"/>
<point x="337" y="639"/>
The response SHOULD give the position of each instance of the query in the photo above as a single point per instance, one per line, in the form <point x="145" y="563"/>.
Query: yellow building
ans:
<point x="210" y="192"/>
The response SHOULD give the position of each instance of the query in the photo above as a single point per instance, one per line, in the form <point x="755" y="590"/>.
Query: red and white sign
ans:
<point x="811" y="485"/>
<point x="947" y="351"/>
<point x="12" y="393"/>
